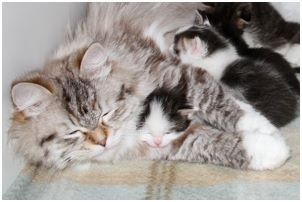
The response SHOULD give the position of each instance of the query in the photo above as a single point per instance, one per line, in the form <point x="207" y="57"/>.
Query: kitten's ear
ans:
<point x="93" y="64"/>
<point x="201" y="18"/>
<point x="193" y="46"/>
<point x="244" y="14"/>
<point x="30" y="98"/>
<point x="210" y="5"/>
<point x="187" y="113"/>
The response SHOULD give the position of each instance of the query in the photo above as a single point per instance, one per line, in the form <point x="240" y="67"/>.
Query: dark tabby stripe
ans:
<point x="48" y="138"/>
<point x="204" y="144"/>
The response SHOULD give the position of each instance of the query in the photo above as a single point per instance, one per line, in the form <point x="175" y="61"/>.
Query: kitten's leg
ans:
<point x="263" y="142"/>
<point x="202" y="143"/>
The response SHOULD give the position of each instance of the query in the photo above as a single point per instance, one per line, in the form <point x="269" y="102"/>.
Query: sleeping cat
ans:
<point x="43" y="131"/>
<point x="120" y="66"/>
<point x="47" y="107"/>
<point x="163" y="125"/>
<point x="226" y="28"/>
<point x="259" y="24"/>
<point x="257" y="80"/>
<point x="160" y="121"/>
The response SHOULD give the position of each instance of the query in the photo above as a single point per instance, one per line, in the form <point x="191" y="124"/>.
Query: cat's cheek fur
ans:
<point x="148" y="138"/>
<point x="113" y="140"/>
<point x="263" y="142"/>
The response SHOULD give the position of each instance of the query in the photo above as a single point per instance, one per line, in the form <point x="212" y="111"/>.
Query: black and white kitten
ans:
<point x="259" y="81"/>
<point x="167" y="128"/>
<point x="259" y="24"/>
<point x="227" y="26"/>
<point x="160" y="121"/>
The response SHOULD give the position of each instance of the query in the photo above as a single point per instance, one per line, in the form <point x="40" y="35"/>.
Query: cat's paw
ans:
<point x="265" y="151"/>
<point x="254" y="122"/>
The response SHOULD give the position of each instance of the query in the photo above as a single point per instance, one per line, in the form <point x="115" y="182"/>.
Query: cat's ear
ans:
<point x="193" y="46"/>
<point x="210" y="5"/>
<point x="93" y="64"/>
<point x="201" y="18"/>
<point x="244" y="15"/>
<point x="30" y="98"/>
<point x="187" y="113"/>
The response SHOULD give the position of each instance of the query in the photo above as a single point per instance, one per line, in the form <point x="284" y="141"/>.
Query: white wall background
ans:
<point x="31" y="31"/>
<point x="30" y="34"/>
<point x="289" y="10"/>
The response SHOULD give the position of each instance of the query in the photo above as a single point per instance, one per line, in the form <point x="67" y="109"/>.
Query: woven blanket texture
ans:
<point x="164" y="180"/>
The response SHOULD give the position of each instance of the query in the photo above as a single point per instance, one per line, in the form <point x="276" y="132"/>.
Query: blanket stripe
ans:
<point x="163" y="180"/>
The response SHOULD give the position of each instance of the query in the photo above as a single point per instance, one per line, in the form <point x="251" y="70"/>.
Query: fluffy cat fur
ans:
<point x="163" y="123"/>
<point x="96" y="52"/>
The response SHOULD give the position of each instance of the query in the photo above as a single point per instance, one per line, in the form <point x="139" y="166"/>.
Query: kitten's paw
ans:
<point x="254" y="122"/>
<point x="265" y="151"/>
<point x="262" y="141"/>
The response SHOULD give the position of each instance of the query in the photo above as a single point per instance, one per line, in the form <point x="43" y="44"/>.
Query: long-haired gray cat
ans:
<point x="96" y="84"/>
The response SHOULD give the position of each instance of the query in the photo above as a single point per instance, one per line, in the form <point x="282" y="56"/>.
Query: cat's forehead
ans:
<point x="55" y="117"/>
<point x="115" y="88"/>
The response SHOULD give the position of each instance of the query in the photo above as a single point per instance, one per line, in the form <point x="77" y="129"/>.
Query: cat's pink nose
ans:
<point x="158" y="140"/>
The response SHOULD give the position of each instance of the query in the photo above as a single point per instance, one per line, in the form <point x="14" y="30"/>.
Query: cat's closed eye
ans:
<point x="73" y="132"/>
<point x="106" y="113"/>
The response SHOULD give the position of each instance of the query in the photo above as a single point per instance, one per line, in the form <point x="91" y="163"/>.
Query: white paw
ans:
<point x="254" y="122"/>
<point x="265" y="151"/>
<point x="262" y="141"/>
<point x="293" y="55"/>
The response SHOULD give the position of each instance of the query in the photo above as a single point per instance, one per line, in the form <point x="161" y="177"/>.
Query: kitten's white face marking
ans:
<point x="157" y="130"/>
<point x="195" y="53"/>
